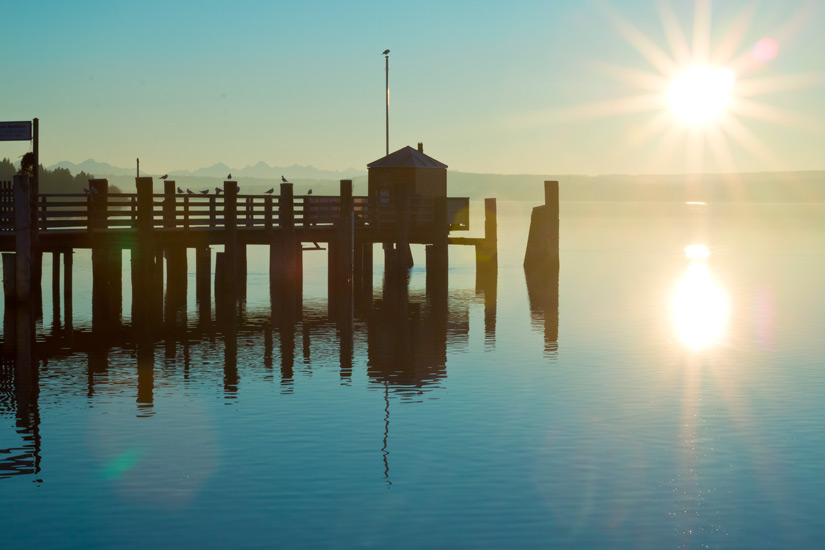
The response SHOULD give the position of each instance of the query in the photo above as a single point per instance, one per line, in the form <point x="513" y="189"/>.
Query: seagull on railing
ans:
<point x="229" y="176"/>
<point x="205" y="191"/>
<point x="218" y="190"/>
<point x="283" y="179"/>
<point x="180" y="190"/>
<point x="270" y="191"/>
<point x="189" y="191"/>
<point x="309" y="192"/>
<point x="164" y="176"/>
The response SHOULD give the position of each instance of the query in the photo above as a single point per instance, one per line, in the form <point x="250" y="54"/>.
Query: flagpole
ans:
<point x="387" y="59"/>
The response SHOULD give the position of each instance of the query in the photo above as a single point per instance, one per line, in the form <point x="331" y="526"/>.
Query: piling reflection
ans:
<point x="19" y="393"/>
<point x="543" y="294"/>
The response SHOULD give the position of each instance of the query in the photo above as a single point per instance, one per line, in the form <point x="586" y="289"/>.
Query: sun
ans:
<point x="701" y="95"/>
<point x="692" y="109"/>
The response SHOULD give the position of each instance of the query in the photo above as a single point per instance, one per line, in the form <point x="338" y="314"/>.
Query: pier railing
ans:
<point x="59" y="212"/>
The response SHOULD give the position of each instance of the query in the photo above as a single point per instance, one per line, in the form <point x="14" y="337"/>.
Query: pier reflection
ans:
<point x="401" y="340"/>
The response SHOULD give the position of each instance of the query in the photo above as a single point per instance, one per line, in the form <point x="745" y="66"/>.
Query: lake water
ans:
<point x="649" y="400"/>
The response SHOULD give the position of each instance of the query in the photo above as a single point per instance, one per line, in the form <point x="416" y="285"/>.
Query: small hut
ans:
<point x="408" y="169"/>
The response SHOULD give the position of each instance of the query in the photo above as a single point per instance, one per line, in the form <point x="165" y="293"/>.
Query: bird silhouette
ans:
<point x="283" y="179"/>
<point x="164" y="176"/>
<point x="180" y="190"/>
<point x="189" y="191"/>
<point x="309" y="192"/>
<point x="229" y="176"/>
<point x="204" y="191"/>
<point x="270" y="191"/>
<point x="218" y="190"/>
<point x="386" y="52"/>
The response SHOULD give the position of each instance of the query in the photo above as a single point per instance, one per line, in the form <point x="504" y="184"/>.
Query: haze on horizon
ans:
<point x="492" y="87"/>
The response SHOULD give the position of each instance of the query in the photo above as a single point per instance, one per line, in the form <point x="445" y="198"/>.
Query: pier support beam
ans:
<point x="68" y="260"/>
<point x="203" y="277"/>
<point x="99" y="197"/>
<point x="438" y="253"/>
<point x="285" y="262"/>
<point x="228" y="262"/>
<point x="22" y="238"/>
<point x="341" y="258"/>
<point x="144" y="301"/>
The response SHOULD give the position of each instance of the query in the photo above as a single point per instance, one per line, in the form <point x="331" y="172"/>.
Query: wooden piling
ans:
<point x="23" y="238"/>
<point x="487" y="251"/>
<point x="344" y="262"/>
<point x="56" y="286"/>
<point x="115" y="285"/>
<point x="438" y="252"/>
<point x="230" y="261"/>
<point x="543" y="240"/>
<point x="143" y="262"/>
<point x="284" y="262"/>
<point x="68" y="260"/>
<point x="203" y="274"/>
<point x="9" y="277"/>
<point x="98" y="206"/>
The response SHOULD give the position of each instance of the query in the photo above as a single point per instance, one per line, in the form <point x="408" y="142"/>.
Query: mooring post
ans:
<point x="22" y="238"/>
<point x="543" y="240"/>
<point x="487" y="252"/>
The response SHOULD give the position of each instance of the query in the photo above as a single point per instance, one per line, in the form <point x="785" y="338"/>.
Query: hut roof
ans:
<point x="408" y="157"/>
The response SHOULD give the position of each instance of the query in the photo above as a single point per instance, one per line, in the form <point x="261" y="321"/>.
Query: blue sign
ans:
<point x="16" y="131"/>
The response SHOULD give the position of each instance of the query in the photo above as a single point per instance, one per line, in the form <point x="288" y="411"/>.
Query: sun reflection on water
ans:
<point x="700" y="305"/>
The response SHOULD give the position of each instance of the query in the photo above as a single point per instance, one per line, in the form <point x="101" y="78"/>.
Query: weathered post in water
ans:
<point x="543" y="241"/>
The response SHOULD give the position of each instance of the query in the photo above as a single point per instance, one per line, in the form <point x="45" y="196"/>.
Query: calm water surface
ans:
<point x="648" y="399"/>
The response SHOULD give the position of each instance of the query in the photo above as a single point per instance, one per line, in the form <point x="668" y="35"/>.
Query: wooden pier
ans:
<point x="156" y="226"/>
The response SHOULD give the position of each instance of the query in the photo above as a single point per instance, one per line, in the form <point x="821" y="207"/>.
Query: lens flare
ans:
<point x="765" y="50"/>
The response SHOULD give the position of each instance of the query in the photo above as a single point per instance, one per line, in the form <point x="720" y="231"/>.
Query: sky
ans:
<point x="550" y="87"/>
